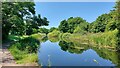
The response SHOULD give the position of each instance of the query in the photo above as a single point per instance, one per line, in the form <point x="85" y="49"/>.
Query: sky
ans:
<point x="55" y="12"/>
<point x="74" y="0"/>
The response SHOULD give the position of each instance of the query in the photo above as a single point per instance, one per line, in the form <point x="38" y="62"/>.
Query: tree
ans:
<point x="70" y="24"/>
<point x="52" y="29"/>
<point x="100" y="23"/>
<point x="13" y="14"/>
<point x="19" y="18"/>
<point x="43" y="30"/>
<point x="82" y="28"/>
<point x="63" y="27"/>
<point x="74" y="22"/>
<point x="117" y="8"/>
<point x="117" y="15"/>
<point x="35" y="22"/>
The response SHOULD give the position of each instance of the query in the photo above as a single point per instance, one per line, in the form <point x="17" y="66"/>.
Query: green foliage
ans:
<point x="74" y="22"/>
<point x="38" y="36"/>
<point x="54" y="39"/>
<point x="108" y="38"/>
<point x="33" y="24"/>
<point x="18" y="18"/>
<point x="12" y="17"/>
<point x="82" y="28"/>
<point x="16" y="38"/>
<point x="65" y="35"/>
<point x="111" y="26"/>
<point x="72" y="47"/>
<point x="55" y="33"/>
<point x="64" y="45"/>
<point x="43" y="30"/>
<point x="28" y="44"/>
<point x="118" y="20"/>
<point x="63" y="27"/>
<point x="105" y="22"/>
<point x="52" y="29"/>
<point x="54" y="36"/>
<point x="71" y="24"/>
<point x="100" y="23"/>
<point x="44" y="39"/>
<point x="29" y="58"/>
<point x="25" y="49"/>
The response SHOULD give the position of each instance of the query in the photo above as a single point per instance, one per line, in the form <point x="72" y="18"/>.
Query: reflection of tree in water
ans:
<point x="44" y="39"/>
<point x="64" y="45"/>
<point x="108" y="54"/>
<point x="78" y="48"/>
<point x="118" y="58"/>
<point x="71" y="47"/>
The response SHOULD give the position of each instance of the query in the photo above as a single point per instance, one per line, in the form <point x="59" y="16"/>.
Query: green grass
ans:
<point x="106" y="39"/>
<point x="16" y="38"/>
<point x="38" y="36"/>
<point x="24" y="48"/>
<point x="29" y="58"/>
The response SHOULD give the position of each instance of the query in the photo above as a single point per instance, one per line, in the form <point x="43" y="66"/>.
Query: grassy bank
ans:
<point x="24" y="48"/>
<point x="37" y="36"/>
<point x="108" y="39"/>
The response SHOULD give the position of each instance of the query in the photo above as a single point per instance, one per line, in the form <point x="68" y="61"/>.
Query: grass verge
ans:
<point x="25" y="48"/>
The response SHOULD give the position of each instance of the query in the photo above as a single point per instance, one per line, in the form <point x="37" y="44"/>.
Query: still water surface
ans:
<point x="63" y="53"/>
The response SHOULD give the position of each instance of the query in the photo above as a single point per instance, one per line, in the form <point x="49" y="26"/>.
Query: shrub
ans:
<point x="22" y="48"/>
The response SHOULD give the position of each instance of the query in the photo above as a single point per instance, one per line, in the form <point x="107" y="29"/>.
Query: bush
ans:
<point x="22" y="48"/>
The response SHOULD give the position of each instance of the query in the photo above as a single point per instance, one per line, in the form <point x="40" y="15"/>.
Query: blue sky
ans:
<point x="58" y="11"/>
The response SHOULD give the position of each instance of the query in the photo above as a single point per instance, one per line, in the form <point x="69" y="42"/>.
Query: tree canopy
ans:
<point x="19" y="18"/>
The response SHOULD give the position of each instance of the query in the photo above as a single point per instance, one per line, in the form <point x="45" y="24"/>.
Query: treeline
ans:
<point x="104" y="27"/>
<point x="105" y="22"/>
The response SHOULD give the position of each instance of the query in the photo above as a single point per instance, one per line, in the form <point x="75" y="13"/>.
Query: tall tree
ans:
<point x="13" y="14"/>
<point x="74" y="22"/>
<point x="100" y="23"/>
<point x="19" y="18"/>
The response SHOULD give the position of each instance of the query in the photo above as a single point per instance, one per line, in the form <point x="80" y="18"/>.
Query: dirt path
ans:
<point x="6" y="56"/>
<point x="6" y="59"/>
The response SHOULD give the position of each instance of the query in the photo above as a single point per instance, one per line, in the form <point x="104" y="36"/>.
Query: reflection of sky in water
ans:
<point x="59" y="57"/>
